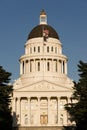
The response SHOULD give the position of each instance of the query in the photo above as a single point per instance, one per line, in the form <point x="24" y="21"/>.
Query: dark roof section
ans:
<point x="38" y="32"/>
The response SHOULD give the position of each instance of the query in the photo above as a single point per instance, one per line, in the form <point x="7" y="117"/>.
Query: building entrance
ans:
<point x="43" y="119"/>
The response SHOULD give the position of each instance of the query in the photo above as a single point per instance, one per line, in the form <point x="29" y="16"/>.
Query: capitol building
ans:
<point x="43" y="87"/>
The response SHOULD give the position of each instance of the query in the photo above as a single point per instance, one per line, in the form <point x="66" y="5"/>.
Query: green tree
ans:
<point x="78" y="110"/>
<point x="5" y="100"/>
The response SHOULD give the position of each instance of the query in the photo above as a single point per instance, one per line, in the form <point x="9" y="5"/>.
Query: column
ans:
<point x="68" y="101"/>
<point x="29" y="111"/>
<point x="38" y="110"/>
<point x="52" y="66"/>
<point x="13" y="105"/>
<point x="14" y="111"/>
<point x="57" y="66"/>
<point x="65" y="67"/>
<point x="21" y="71"/>
<point x="58" y="110"/>
<point x="46" y="65"/>
<point x="34" y="65"/>
<point x="48" y="110"/>
<point x="29" y="66"/>
<point x="41" y="65"/>
<point x="61" y="66"/>
<point x="26" y="66"/>
<point x="18" y="111"/>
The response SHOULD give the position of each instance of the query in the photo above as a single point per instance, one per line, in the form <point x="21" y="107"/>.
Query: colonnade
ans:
<point x="45" y="111"/>
<point x="35" y="65"/>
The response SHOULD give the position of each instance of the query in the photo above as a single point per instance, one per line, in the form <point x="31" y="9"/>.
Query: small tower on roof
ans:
<point x="43" y="17"/>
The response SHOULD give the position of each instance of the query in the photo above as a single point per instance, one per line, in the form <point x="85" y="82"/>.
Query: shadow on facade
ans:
<point x="15" y="122"/>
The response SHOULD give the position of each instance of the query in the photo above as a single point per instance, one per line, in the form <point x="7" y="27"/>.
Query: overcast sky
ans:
<point x="18" y="17"/>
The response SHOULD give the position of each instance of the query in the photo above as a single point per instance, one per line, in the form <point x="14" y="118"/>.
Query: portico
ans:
<point x="41" y="111"/>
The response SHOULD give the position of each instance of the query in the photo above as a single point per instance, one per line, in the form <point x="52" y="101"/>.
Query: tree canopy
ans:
<point x="5" y="99"/>
<point x="78" y="109"/>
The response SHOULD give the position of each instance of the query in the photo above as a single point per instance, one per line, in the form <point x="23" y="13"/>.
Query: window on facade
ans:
<point x="52" y="48"/>
<point x="34" y="49"/>
<point x="56" y="66"/>
<point x="55" y="49"/>
<point x="48" y="66"/>
<point x="63" y="67"/>
<point x="47" y="48"/>
<point x="43" y="19"/>
<point x="23" y="67"/>
<point x="30" y="66"/>
<point x="38" y="48"/>
<point x="38" y="66"/>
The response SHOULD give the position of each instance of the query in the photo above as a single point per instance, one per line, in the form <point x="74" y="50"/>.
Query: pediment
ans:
<point x="44" y="86"/>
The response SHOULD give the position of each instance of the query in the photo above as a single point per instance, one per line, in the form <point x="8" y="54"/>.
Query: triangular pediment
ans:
<point x="44" y="86"/>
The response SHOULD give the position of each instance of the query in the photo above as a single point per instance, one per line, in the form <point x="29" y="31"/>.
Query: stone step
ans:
<point x="39" y="128"/>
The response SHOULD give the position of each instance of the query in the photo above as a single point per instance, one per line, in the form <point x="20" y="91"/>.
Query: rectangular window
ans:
<point x="56" y="66"/>
<point x="38" y="66"/>
<point x="38" y="48"/>
<point x="55" y="49"/>
<point x="52" y="48"/>
<point x="43" y="19"/>
<point x="34" y="49"/>
<point x="23" y="67"/>
<point x="63" y="67"/>
<point x="30" y="66"/>
<point x="48" y="66"/>
<point x="47" y="48"/>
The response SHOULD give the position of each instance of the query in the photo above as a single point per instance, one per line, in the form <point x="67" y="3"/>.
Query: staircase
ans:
<point x="39" y="128"/>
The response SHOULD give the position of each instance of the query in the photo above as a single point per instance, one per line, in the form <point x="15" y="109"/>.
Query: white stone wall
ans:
<point x="42" y="60"/>
<point x="43" y="87"/>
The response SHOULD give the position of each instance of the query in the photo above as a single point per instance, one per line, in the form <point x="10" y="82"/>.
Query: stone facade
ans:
<point x="43" y="87"/>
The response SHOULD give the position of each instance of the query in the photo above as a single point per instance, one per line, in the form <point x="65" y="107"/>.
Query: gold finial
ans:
<point x="43" y="12"/>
